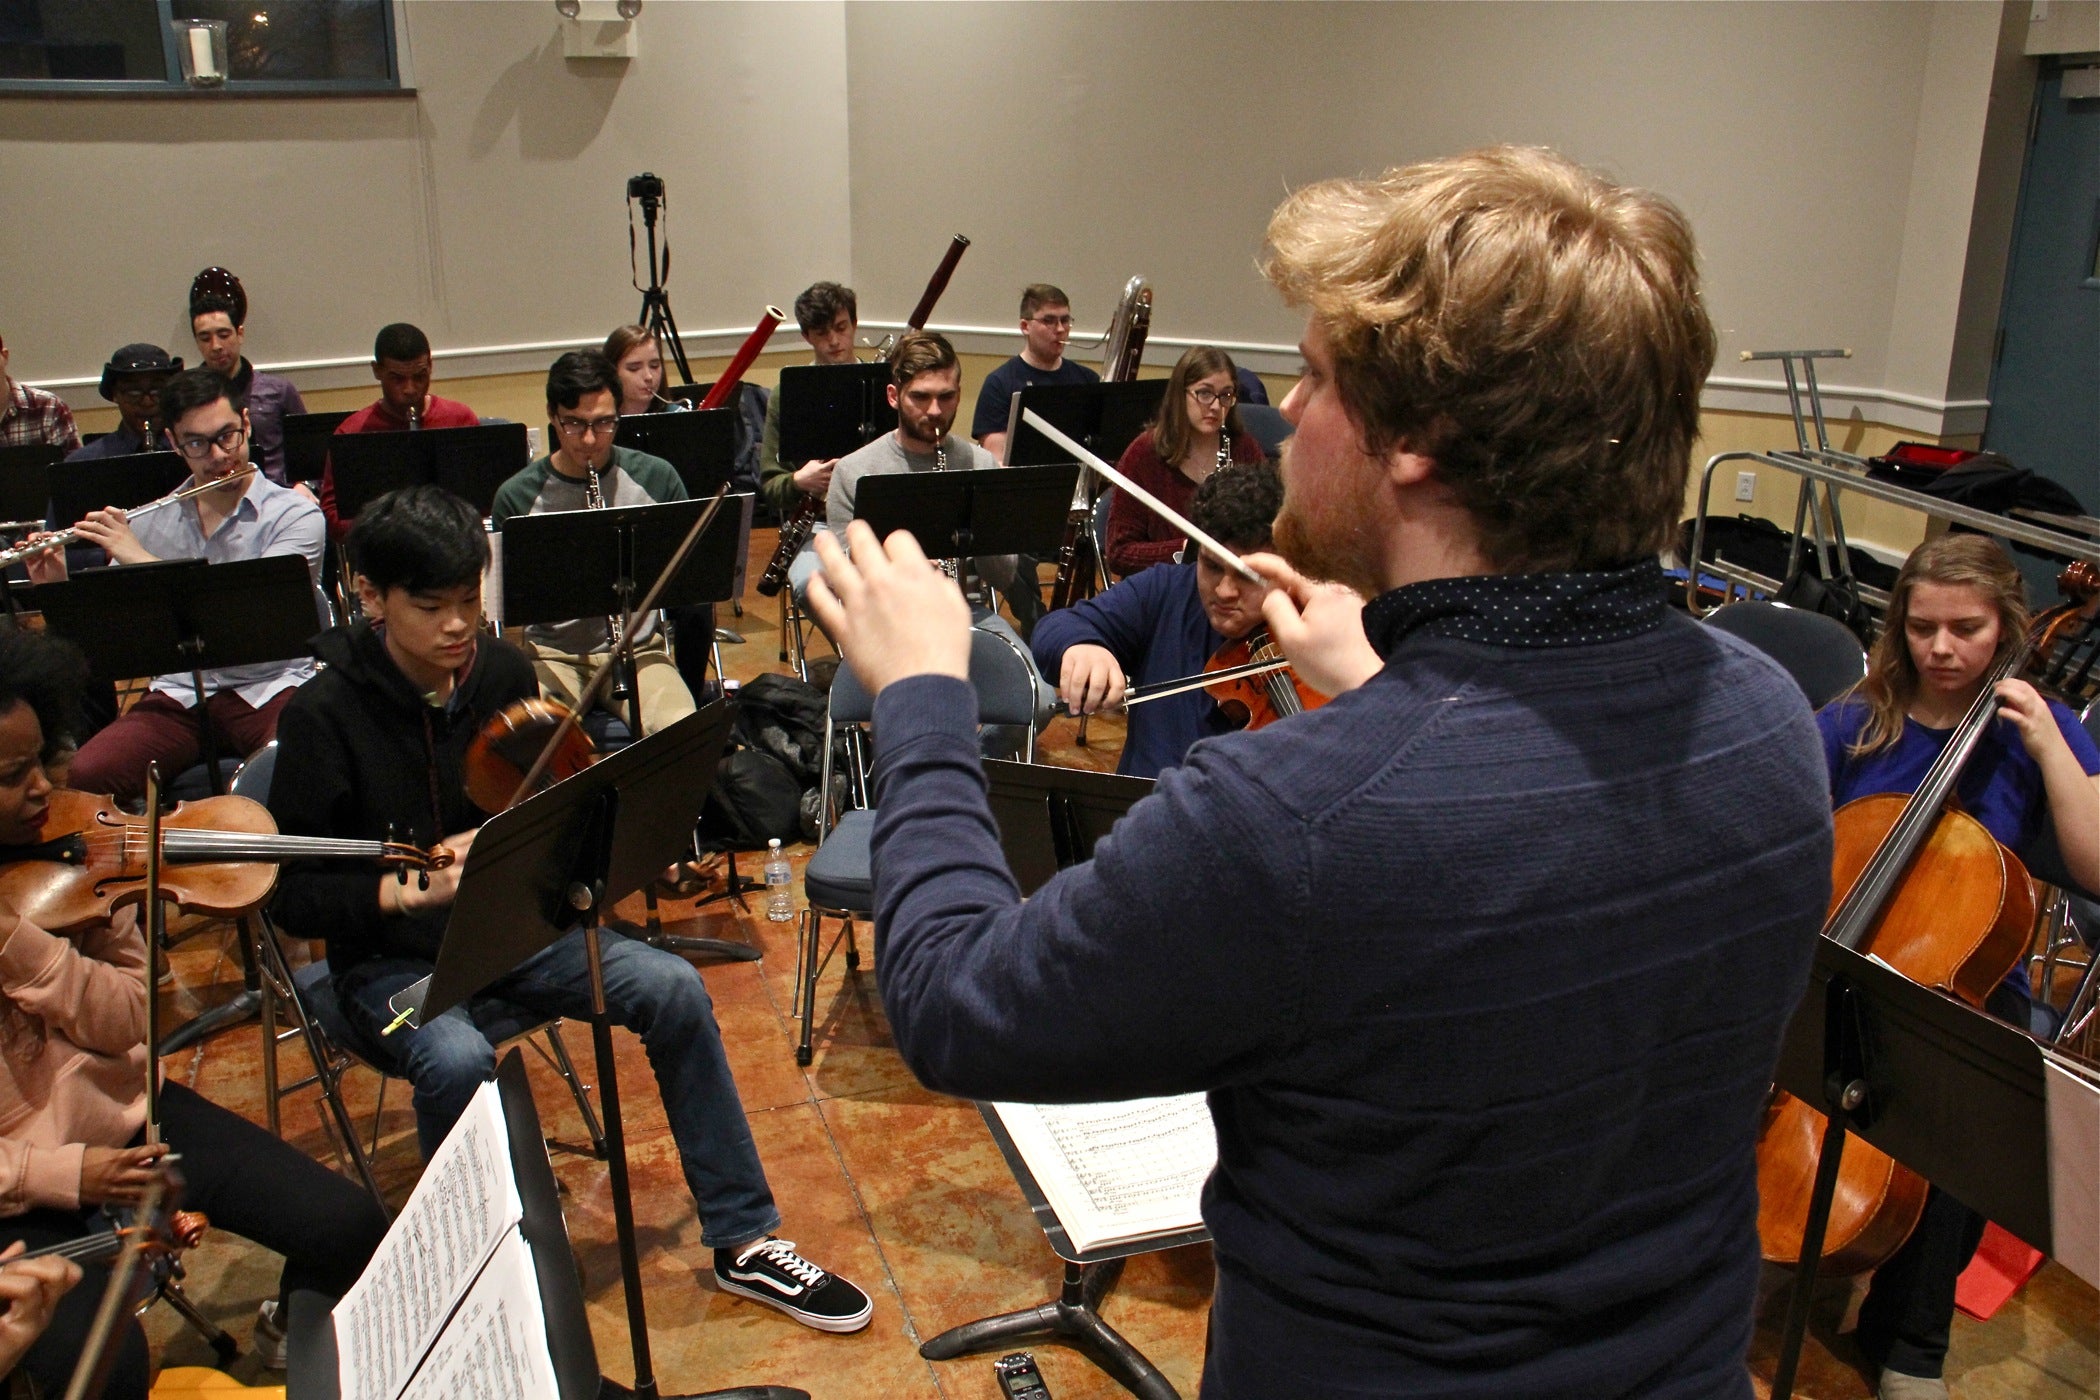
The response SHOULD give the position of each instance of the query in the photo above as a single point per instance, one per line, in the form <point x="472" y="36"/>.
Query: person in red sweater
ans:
<point x="1197" y="431"/>
<point x="401" y="364"/>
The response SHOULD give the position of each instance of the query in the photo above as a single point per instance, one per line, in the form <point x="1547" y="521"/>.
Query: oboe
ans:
<point x="415" y="416"/>
<point x="60" y="539"/>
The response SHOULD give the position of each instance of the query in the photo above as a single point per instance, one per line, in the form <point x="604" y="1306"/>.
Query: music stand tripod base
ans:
<point x="1076" y="1318"/>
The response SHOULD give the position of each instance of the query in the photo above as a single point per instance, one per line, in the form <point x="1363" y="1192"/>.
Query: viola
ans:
<point x="219" y="858"/>
<point x="507" y="750"/>
<point x="1251" y="701"/>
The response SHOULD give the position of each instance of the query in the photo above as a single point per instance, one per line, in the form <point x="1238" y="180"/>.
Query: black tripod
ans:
<point x="648" y="190"/>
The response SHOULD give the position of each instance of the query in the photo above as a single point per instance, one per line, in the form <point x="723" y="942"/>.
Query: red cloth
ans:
<point x="378" y="417"/>
<point x="2002" y="1264"/>
<point x="1137" y="538"/>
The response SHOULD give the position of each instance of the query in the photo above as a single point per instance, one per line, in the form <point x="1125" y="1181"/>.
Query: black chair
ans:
<point x="1819" y="652"/>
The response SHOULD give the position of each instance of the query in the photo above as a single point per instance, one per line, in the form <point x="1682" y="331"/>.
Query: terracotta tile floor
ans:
<point x="895" y="1187"/>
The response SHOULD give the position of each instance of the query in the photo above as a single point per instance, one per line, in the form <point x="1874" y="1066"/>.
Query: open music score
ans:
<point x="1118" y="1173"/>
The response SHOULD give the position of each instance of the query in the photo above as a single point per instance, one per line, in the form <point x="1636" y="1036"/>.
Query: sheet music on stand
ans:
<point x="1118" y="1173"/>
<point x="453" y="1279"/>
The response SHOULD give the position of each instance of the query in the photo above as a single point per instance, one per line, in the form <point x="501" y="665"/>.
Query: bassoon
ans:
<point x="795" y="529"/>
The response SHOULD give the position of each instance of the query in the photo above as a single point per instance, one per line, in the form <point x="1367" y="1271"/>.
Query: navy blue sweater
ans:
<point x="1483" y="965"/>
<point x="1154" y="624"/>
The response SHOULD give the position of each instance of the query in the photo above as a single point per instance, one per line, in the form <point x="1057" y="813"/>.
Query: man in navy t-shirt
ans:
<point x="1046" y="324"/>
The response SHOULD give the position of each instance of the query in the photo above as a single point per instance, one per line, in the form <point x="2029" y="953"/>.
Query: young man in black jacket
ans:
<point x="377" y="743"/>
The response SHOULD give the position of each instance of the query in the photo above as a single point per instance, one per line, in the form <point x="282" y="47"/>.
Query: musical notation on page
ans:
<point x="1118" y="1172"/>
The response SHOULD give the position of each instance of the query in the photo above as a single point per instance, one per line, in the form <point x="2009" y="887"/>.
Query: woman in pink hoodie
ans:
<point x="73" y="1080"/>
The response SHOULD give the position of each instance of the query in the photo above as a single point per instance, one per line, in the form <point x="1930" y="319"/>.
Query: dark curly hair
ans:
<point x="50" y="676"/>
<point x="420" y="538"/>
<point x="1236" y="505"/>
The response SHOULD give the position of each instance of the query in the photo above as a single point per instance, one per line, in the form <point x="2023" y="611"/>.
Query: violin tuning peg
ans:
<point x="423" y="879"/>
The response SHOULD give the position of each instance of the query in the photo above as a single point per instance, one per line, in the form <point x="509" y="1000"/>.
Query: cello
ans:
<point x="1924" y="887"/>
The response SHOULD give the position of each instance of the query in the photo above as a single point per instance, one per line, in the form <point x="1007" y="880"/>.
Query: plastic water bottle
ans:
<point x="780" y="905"/>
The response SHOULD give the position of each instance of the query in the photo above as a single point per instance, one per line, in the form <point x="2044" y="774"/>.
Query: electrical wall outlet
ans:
<point x="1746" y="486"/>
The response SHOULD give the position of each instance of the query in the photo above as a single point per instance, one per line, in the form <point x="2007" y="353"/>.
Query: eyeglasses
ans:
<point x="1211" y="398"/>
<point x="198" y="448"/>
<point x="594" y="427"/>
<point x="1055" y="323"/>
<point x="140" y="393"/>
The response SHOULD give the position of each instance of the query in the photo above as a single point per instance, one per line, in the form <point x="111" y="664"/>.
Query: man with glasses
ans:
<point x="401" y="363"/>
<point x="583" y="403"/>
<point x="245" y="516"/>
<point x="1046" y="324"/>
<point x="132" y="381"/>
<point x="29" y="416"/>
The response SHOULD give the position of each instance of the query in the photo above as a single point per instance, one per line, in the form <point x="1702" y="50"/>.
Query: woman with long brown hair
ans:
<point x="1197" y="431"/>
<point x="640" y="361"/>
<point x="1957" y="607"/>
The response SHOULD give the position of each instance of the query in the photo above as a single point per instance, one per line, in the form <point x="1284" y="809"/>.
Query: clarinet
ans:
<point x="415" y="416"/>
<point x="1224" y="449"/>
<point x="594" y="499"/>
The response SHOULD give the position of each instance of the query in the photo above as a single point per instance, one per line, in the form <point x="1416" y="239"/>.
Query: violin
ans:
<point x="218" y="858"/>
<point x="505" y="752"/>
<point x="1251" y="701"/>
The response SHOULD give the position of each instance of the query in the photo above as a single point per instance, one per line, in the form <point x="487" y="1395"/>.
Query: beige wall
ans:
<point x="488" y="207"/>
<point x="1834" y="203"/>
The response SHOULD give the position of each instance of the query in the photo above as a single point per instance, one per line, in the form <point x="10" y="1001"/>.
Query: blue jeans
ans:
<point x="656" y="994"/>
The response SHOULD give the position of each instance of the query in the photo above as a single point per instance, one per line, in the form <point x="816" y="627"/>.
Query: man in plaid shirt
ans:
<point x="30" y="415"/>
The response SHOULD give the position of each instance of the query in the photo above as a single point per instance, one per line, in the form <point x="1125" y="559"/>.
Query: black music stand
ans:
<point x="1050" y="818"/>
<point x="471" y="463"/>
<point x="1105" y="418"/>
<point x="306" y="438"/>
<point x="75" y="488"/>
<point x="556" y="862"/>
<point x="25" y="483"/>
<point x="1947" y="1091"/>
<point x="700" y="444"/>
<point x="186" y="615"/>
<point x="594" y="563"/>
<point x="827" y="411"/>
<point x="961" y="514"/>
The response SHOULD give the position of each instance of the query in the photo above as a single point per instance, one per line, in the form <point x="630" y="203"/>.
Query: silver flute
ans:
<point x="61" y="538"/>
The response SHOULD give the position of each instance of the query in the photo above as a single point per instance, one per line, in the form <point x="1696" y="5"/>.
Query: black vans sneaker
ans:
<point x="770" y="1271"/>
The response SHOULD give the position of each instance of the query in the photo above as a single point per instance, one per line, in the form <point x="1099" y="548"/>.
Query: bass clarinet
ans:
<point x="1078" y="568"/>
<point x="801" y="522"/>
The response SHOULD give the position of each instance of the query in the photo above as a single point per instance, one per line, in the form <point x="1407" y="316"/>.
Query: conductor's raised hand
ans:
<point x="1320" y="627"/>
<point x="891" y="614"/>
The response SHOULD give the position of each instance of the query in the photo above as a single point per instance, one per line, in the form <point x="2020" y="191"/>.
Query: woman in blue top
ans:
<point x="1958" y="605"/>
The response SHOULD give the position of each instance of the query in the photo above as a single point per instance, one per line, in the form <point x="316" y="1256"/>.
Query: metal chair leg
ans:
<point x="577" y="1088"/>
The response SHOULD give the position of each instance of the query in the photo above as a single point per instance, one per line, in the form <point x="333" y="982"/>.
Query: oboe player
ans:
<point x="585" y="470"/>
<point x="244" y="516"/>
<point x="1484" y="964"/>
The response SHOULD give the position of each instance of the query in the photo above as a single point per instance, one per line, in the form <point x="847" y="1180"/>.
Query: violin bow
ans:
<point x="1161" y="690"/>
<point x="599" y="677"/>
<point x="156" y="934"/>
<point x="1161" y="508"/>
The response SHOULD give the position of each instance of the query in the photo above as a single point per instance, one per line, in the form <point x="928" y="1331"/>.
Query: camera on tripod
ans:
<point x="647" y="187"/>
